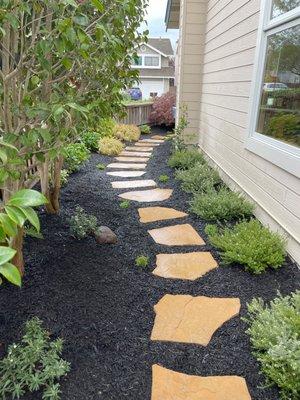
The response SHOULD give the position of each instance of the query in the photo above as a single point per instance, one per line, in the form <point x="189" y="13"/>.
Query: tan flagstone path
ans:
<point x="148" y="196"/>
<point x="134" y="154"/>
<point x="187" y="319"/>
<point x="126" y="166"/>
<point x="133" y="184"/>
<point x="188" y="266"/>
<point x="140" y="149"/>
<point x="171" y="385"/>
<point x="126" y="174"/>
<point x="159" y="137"/>
<point x="146" y="144"/>
<point x="151" y="141"/>
<point x="153" y="214"/>
<point x="132" y="159"/>
<point x="177" y="235"/>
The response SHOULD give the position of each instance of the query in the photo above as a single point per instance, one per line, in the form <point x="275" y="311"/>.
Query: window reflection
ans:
<point x="279" y="114"/>
<point x="280" y="7"/>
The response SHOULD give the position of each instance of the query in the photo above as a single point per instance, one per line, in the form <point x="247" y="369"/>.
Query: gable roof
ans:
<point x="162" y="45"/>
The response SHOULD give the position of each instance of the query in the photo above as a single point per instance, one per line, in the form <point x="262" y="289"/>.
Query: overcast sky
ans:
<point x="156" y="21"/>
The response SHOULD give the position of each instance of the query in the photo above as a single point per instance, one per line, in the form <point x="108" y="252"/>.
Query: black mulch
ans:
<point x="102" y="304"/>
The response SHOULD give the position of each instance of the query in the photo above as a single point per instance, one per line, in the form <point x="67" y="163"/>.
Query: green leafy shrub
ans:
<point x="142" y="261"/>
<point x="285" y="127"/>
<point x="82" y="224"/>
<point x="110" y="146"/>
<point x="128" y="133"/>
<point x="106" y="127"/>
<point x="101" y="166"/>
<point x="75" y="155"/>
<point x="124" y="204"/>
<point x="185" y="159"/>
<point x="249" y="244"/>
<point x="274" y="332"/>
<point x="145" y="129"/>
<point x="33" y="364"/>
<point x="222" y="205"/>
<point x="91" y="140"/>
<point x="64" y="176"/>
<point x="200" y="178"/>
<point x="164" y="178"/>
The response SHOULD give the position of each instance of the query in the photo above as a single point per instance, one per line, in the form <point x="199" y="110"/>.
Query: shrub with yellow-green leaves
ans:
<point x="110" y="146"/>
<point x="128" y="133"/>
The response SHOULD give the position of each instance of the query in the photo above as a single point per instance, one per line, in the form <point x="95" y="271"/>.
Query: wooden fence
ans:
<point x="137" y="114"/>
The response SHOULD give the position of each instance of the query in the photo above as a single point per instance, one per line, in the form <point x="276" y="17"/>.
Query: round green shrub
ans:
<point x="75" y="155"/>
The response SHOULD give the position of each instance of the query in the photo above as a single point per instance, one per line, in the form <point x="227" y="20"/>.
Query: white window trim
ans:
<point x="146" y="66"/>
<point x="277" y="152"/>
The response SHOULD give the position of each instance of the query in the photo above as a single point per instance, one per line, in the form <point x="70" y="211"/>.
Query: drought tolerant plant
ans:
<point x="76" y="154"/>
<point x="106" y="127"/>
<point x="33" y="364"/>
<point x="64" y="177"/>
<point x="221" y="206"/>
<point x="200" y="178"/>
<point x="91" y="140"/>
<point x="127" y="133"/>
<point x="124" y="204"/>
<point x="185" y="158"/>
<point x="178" y="136"/>
<point x="145" y="129"/>
<point x="164" y="178"/>
<point x="250" y="244"/>
<point x="101" y="167"/>
<point x="162" y="110"/>
<point x="142" y="261"/>
<point x="82" y="224"/>
<point x="274" y="332"/>
<point x="110" y="146"/>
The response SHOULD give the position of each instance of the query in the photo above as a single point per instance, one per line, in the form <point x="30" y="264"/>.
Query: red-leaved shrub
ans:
<point x="162" y="111"/>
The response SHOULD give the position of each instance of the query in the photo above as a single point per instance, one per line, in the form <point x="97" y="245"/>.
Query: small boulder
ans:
<point x="105" y="235"/>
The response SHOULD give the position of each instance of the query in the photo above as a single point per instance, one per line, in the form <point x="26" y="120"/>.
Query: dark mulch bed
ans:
<point x="102" y="305"/>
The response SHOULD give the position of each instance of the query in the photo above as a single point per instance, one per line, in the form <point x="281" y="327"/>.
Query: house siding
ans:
<point x="220" y="42"/>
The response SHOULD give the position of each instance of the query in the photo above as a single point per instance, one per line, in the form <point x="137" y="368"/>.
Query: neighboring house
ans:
<point x="227" y="51"/>
<point x="156" y="66"/>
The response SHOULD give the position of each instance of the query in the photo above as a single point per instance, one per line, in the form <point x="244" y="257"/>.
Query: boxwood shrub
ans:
<point x="200" y="178"/>
<point x="185" y="159"/>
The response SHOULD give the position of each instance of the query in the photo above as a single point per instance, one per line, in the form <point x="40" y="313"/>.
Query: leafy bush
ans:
<point x="91" y="140"/>
<point x="222" y="205"/>
<point x="162" y="110"/>
<point x="101" y="166"/>
<point x="164" y="178"/>
<point x="106" y="127"/>
<point x="142" y="261"/>
<point x="145" y="129"/>
<point x="33" y="364"/>
<point x="82" y="224"/>
<point x="185" y="159"/>
<point x="124" y="204"/>
<point x="75" y="155"/>
<point x="201" y="178"/>
<point x="249" y="244"/>
<point x="275" y="335"/>
<point x="64" y="176"/>
<point x="110" y="146"/>
<point x="128" y="133"/>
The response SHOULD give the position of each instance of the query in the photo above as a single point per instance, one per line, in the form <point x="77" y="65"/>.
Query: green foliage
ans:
<point x="82" y="224"/>
<point x="185" y="159"/>
<point x="274" y="332"/>
<point x="64" y="176"/>
<point x="177" y="138"/>
<point x="142" y="261"/>
<point x="101" y="167"/>
<point x="75" y="155"/>
<point x="125" y="204"/>
<point x="110" y="146"/>
<point x="200" y="178"/>
<point x="33" y="364"/>
<point x="249" y="244"/>
<point x="127" y="133"/>
<point x="220" y="206"/>
<point x="32" y="232"/>
<point x="106" y="127"/>
<point x="145" y="129"/>
<point x="285" y="127"/>
<point x="91" y="140"/>
<point x="164" y="178"/>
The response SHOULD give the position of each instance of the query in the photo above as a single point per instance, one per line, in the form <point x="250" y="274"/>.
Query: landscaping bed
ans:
<point x="101" y="304"/>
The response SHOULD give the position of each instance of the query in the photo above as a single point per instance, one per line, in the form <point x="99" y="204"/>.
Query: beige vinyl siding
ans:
<point x="229" y="47"/>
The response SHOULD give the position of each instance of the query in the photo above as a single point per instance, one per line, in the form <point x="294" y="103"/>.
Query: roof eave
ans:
<point x="172" y="14"/>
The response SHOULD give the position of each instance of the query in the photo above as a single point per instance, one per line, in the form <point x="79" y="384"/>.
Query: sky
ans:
<point x="156" y="21"/>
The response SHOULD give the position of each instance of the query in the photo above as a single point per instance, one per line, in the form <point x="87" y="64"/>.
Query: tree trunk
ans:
<point x="51" y="187"/>
<point x="17" y="244"/>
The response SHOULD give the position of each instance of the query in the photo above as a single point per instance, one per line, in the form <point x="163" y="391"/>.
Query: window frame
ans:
<point x="282" y="154"/>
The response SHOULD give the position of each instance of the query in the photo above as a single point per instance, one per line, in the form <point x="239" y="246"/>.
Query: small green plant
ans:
<point x="274" y="332"/>
<point x="64" y="177"/>
<point x="220" y="206"/>
<point x="250" y="244"/>
<point x="75" y="155"/>
<point x="110" y="146"/>
<point x="164" y="178"/>
<point x="185" y="159"/>
<point x="142" y="261"/>
<point x="128" y="133"/>
<point x="33" y="364"/>
<point x="101" y="166"/>
<point x="145" y="129"/>
<point x="32" y="232"/>
<point x="124" y="204"/>
<point x="82" y="224"/>
<point x="178" y="138"/>
<point x="91" y="140"/>
<point x="106" y="127"/>
<point x="200" y="178"/>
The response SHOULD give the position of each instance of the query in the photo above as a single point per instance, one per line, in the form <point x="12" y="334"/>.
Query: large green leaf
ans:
<point x="32" y="217"/>
<point x="8" y="225"/>
<point x="6" y="254"/>
<point x="11" y="273"/>
<point x="27" y="198"/>
<point x="16" y="215"/>
<point x="98" y="4"/>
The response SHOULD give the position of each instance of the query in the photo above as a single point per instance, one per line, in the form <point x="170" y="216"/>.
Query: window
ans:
<point x="275" y="117"/>
<point x="151" y="61"/>
<point x="137" y="61"/>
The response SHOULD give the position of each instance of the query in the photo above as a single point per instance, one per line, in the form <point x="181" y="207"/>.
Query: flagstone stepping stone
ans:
<point x="177" y="235"/>
<point x="134" y="154"/>
<point x="127" y="166"/>
<point x="187" y="319"/>
<point x="151" y="141"/>
<point x="189" y="266"/>
<point x="171" y="385"/>
<point x="135" y="148"/>
<point x="133" y="184"/>
<point x="143" y="144"/>
<point x="126" y="174"/>
<point x="132" y="159"/>
<point x="159" y="137"/>
<point x="148" y="196"/>
<point x="153" y="214"/>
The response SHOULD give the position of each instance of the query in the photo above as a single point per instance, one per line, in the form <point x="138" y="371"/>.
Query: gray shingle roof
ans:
<point x="167" y="72"/>
<point x="162" y="44"/>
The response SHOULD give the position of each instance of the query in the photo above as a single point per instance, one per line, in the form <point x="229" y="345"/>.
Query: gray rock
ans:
<point x="105" y="235"/>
